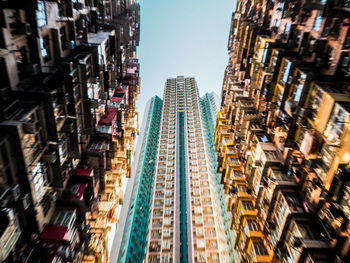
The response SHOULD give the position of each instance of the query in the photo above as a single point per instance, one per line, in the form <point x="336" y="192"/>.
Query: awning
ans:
<point x="84" y="172"/>
<point x="55" y="233"/>
<point x="117" y="99"/>
<point x="107" y="118"/>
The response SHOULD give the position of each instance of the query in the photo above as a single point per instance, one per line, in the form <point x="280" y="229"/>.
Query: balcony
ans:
<point x="209" y="221"/>
<point x="156" y="235"/>
<point x="243" y="208"/>
<point x="154" y="247"/>
<point x="211" y="245"/>
<point x="158" y="203"/>
<point x="249" y="230"/>
<point x="108" y="123"/>
<point x="56" y="238"/>
<point x="286" y="207"/>
<point x="86" y="175"/>
<point x="154" y="259"/>
<point x="322" y="100"/>
<point x="157" y="213"/>
<point x="276" y="180"/>
<point x="157" y="223"/>
<point x="9" y="232"/>
<point x="81" y="194"/>
<point x="167" y="258"/>
<point x="258" y="252"/>
<point x="335" y="127"/>
<point x="168" y="211"/>
<point x="300" y="237"/>
<point x="167" y="245"/>
<point x="333" y="220"/>
<point x="201" y="256"/>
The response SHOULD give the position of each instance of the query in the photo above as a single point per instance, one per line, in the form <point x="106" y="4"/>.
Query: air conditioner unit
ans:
<point x="63" y="251"/>
<point x="26" y="201"/>
<point x="326" y="31"/>
<point x="301" y="51"/>
<point x="95" y="103"/>
<point x="345" y="61"/>
<point x="69" y="44"/>
<point x="10" y="214"/>
<point x="50" y="157"/>
<point x="53" y="196"/>
<point x="94" y="80"/>
<point x="104" y="96"/>
<point x="318" y="62"/>
<point x="16" y="192"/>
<point x="29" y="127"/>
<point x="68" y="127"/>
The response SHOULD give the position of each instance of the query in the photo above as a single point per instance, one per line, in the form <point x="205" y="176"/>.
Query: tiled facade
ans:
<point x="282" y="134"/>
<point x="69" y="82"/>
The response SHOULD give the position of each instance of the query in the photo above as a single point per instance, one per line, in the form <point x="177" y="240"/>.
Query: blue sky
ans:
<point x="183" y="37"/>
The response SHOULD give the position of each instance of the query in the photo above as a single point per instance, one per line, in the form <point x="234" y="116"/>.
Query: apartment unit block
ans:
<point x="282" y="133"/>
<point x="69" y="81"/>
<point x="177" y="210"/>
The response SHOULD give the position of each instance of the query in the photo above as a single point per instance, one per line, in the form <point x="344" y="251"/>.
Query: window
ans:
<point x="41" y="14"/>
<point x="265" y="52"/>
<point x="252" y="225"/>
<point x="298" y="92"/>
<point x="260" y="249"/>
<point x="281" y="210"/>
<point x="293" y="234"/>
<point x="63" y="38"/>
<point x="335" y="125"/>
<point x="286" y="71"/>
<point x="315" y="101"/>
<point x="46" y="204"/>
<point x="271" y="155"/>
<point x="39" y="180"/>
<point x="318" y="21"/>
<point x="287" y="28"/>
<point x="241" y="189"/>
<point x="278" y="21"/>
<point x="247" y="205"/>
<point x="45" y="48"/>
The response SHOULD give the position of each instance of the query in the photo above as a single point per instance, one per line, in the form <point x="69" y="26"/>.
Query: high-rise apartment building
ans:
<point x="282" y="133"/>
<point x="177" y="209"/>
<point x="68" y="85"/>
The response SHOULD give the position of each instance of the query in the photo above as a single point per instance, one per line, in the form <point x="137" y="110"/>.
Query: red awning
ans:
<point x="120" y="91"/>
<point x="84" y="172"/>
<point x="117" y="99"/>
<point x="55" y="233"/>
<point x="107" y="118"/>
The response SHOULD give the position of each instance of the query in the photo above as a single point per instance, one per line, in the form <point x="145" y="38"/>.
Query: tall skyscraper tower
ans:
<point x="177" y="209"/>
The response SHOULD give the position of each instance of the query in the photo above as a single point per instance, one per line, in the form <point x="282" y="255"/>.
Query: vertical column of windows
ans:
<point x="161" y="248"/>
<point x="203" y="211"/>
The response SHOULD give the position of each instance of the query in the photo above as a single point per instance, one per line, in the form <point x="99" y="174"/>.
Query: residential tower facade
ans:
<point x="187" y="219"/>
<point x="68" y="122"/>
<point x="282" y="133"/>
